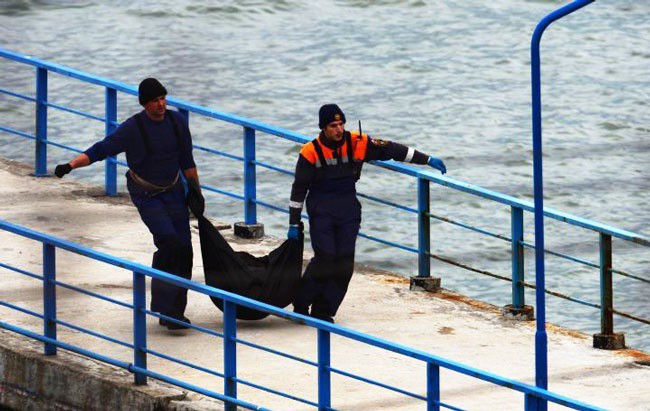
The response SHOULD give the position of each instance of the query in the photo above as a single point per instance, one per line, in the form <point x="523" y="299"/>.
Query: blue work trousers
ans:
<point x="167" y="218"/>
<point x="333" y="227"/>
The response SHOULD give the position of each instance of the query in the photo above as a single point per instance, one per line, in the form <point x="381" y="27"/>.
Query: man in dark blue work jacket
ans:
<point x="326" y="174"/>
<point x="158" y="147"/>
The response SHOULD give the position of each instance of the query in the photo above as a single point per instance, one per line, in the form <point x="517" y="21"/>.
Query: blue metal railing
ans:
<point x="229" y="396"/>
<point x="424" y="178"/>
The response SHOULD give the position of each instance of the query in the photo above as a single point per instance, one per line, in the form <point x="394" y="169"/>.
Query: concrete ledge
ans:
<point x="30" y="380"/>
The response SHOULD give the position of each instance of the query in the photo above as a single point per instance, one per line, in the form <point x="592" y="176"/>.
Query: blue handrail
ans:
<point x="423" y="249"/>
<point x="298" y="138"/>
<point x="231" y="302"/>
<point x="541" y="361"/>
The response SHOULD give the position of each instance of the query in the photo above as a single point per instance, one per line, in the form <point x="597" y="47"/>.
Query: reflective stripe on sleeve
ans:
<point x="295" y="204"/>
<point x="409" y="155"/>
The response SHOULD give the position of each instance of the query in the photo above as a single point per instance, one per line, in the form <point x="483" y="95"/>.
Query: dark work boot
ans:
<point x="298" y="309"/>
<point x="173" y="325"/>
<point x="322" y="316"/>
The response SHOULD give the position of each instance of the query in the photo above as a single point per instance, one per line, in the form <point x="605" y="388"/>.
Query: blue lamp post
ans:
<point x="541" y="360"/>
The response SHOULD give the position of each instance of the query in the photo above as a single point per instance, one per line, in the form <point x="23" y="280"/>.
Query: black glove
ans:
<point x="195" y="199"/>
<point x="62" y="169"/>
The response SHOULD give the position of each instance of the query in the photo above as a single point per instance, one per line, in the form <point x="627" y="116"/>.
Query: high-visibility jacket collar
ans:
<point x="330" y="143"/>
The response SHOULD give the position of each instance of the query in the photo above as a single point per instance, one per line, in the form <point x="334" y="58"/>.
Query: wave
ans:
<point x="240" y="8"/>
<point x="21" y="7"/>
<point x="223" y="10"/>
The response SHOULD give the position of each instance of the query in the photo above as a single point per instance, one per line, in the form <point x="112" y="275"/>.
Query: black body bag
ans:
<point x="271" y="279"/>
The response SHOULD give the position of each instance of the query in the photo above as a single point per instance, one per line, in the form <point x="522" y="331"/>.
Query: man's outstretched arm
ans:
<point x="82" y="160"/>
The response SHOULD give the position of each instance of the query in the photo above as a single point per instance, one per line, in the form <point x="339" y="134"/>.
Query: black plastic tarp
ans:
<point x="272" y="279"/>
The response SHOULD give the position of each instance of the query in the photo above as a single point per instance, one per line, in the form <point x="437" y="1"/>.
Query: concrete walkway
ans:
<point x="378" y="303"/>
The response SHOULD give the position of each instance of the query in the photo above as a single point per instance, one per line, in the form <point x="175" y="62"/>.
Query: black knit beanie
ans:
<point x="329" y="113"/>
<point x="149" y="89"/>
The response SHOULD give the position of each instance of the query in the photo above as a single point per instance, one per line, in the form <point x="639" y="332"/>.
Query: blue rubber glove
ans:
<point x="437" y="164"/>
<point x="294" y="232"/>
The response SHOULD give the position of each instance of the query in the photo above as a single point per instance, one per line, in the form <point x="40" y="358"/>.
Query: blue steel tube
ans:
<point x="139" y="326"/>
<point x="250" y="193"/>
<point x="230" y="352"/>
<point x="110" y="164"/>
<point x="424" y="229"/>
<point x="40" y="160"/>
<point x="324" y="375"/>
<point x="541" y="360"/>
<point x="49" y="296"/>
<point x="433" y="387"/>
<point x="517" y="236"/>
<point x="606" y="289"/>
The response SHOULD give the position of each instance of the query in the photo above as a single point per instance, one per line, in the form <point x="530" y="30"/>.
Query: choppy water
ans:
<point x="450" y="78"/>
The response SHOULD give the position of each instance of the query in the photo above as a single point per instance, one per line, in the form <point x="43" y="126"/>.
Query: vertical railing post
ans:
<point x="607" y="339"/>
<point x="139" y="326"/>
<point x="250" y="191"/>
<point x="531" y="403"/>
<point x="424" y="280"/>
<point x="433" y="387"/>
<point x="110" y="165"/>
<point x="324" y="377"/>
<point x="230" y="352"/>
<point x="424" y="229"/>
<point x="518" y="309"/>
<point x="606" y="291"/>
<point x="40" y="160"/>
<point x="249" y="228"/>
<point x="49" y="296"/>
<point x="517" y="236"/>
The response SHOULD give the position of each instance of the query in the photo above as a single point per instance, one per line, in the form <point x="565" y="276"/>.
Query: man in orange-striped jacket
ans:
<point x="326" y="174"/>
